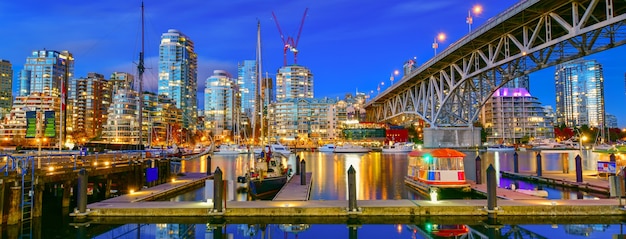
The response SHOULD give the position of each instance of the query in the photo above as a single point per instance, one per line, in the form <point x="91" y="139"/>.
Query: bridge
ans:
<point x="448" y="91"/>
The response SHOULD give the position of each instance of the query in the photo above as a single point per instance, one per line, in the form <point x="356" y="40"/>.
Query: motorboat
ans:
<point x="327" y="148"/>
<point x="227" y="149"/>
<point x="398" y="148"/>
<point x="351" y="148"/>
<point x="267" y="177"/>
<point x="500" y="147"/>
<point x="274" y="148"/>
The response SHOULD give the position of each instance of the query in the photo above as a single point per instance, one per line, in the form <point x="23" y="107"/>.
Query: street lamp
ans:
<point x="382" y="83"/>
<point x="393" y="74"/>
<point x="441" y="37"/>
<point x="477" y="9"/>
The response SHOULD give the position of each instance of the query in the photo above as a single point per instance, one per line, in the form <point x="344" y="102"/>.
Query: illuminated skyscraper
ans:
<point x="580" y="93"/>
<point x="89" y="108"/>
<point x="221" y="105"/>
<point x="178" y="72"/>
<point x="247" y="82"/>
<point x="6" y="81"/>
<point x="294" y="82"/>
<point x="45" y="71"/>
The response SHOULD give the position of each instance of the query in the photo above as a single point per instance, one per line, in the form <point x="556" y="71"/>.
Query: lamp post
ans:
<point x="441" y="37"/>
<point x="393" y="74"/>
<point x="477" y="9"/>
<point x="382" y="83"/>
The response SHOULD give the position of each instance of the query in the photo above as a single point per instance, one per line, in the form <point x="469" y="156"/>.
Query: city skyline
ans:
<point x="369" y="39"/>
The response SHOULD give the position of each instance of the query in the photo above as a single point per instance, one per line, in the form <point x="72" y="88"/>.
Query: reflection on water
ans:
<point x="379" y="177"/>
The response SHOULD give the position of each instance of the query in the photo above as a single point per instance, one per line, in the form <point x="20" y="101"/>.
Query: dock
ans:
<point x="294" y="190"/>
<point x="591" y="182"/>
<point x="502" y="193"/>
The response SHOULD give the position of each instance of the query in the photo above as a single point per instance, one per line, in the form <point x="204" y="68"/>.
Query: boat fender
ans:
<point x="513" y="186"/>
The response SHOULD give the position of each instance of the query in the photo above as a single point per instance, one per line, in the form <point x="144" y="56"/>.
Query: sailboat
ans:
<point x="269" y="174"/>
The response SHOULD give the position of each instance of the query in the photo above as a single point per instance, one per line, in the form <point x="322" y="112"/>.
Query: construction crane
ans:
<point x="289" y="43"/>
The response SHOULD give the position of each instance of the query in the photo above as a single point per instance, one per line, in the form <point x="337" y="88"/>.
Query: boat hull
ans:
<point x="267" y="188"/>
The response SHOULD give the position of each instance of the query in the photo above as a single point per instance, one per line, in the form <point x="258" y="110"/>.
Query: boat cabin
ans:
<point x="441" y="168"/>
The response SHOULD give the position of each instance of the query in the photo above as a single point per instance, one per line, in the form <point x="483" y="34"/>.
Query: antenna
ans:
<point x="289" y="43"/>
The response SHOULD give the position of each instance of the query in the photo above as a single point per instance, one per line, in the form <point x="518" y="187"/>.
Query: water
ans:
<point x="379" y="177"/>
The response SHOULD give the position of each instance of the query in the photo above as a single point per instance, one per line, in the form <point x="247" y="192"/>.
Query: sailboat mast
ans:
<point x="259" y="68"/>
<point x="140" y="70"/>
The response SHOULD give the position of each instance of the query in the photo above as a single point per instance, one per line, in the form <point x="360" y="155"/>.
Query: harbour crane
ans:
<point x="289" y="43"/>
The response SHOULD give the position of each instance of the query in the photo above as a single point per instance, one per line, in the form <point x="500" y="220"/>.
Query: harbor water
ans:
<point x="379" y="177"/>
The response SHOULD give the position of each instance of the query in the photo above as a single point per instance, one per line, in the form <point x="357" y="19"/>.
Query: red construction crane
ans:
<point x="288" y="43"/>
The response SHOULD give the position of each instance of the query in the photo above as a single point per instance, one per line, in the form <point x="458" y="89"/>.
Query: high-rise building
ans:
<point x="178" y="72"/>
<point x="580" y="93"/>
<point x="89" y="107"/>
<point x="247" y="82"/>
<point x="6" y="84"/>
<point x="519" y="82"/>
<point x="221" y="105"/>
<point x="121" y="80"/>
<point x="303" y="118"/>
<point x="611" y="121"/>
<point x="294" y="81"/>
<point x="45" y="71"/>
<point x="513" y="114"/>
<point x="33" y="121"/>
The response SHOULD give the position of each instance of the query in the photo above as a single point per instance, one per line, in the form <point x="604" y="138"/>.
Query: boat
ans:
<point x="326" y="148"/>
<point x="532" y="192"/>
<point x="401" y="147"/>
<point x="267" y="177"/>
<point x="228" y="149"/>
<point x="431" y="170"/>
<point x="543" y="143"/>
<point x="351" y="148"/>
<point x="500" y="147"/>
<point x="275" y="148"/>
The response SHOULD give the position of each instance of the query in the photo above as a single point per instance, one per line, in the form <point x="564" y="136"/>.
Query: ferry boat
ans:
<point x="430" y="170"/>
<point x="326" y="148"/>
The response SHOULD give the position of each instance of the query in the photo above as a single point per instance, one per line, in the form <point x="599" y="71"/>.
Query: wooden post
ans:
<point x="492" y="197"/>
<point x="218" y="191"/>
<point x="352" y="207"/>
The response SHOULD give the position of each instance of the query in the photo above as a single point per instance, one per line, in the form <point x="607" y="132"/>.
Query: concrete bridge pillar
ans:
<point x="107" y="186"/>
<point x="15" y="212"/>
<point x="452" y="137"/>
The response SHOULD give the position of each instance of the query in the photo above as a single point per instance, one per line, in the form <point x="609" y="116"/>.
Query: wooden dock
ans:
<point x="502" y="193"/>
<point x="294" y="190"/>
<point x="591" y="182"/>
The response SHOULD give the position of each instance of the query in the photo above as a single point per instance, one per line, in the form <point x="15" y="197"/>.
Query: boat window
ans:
<point x="273" y="163"/>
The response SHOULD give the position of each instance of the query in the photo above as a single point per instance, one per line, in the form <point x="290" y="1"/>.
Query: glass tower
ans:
<point x="247" y="82"/>
<point x="580" y="93"/>
<point x="294" y="82"/>
<point x="45" y="71"/>
<point x="220" y="105"/>
<point x="178" y="72"/>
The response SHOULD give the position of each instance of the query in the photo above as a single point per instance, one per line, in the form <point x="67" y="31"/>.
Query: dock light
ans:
<point x="106" y="163"/>
<point x="51" y="168"/>
<point x="286" y="205"/>
<point x="132" y="191"/>
<point x="209" y="201"/>
<point x="95" y="164"/>
<point x="433" y="195"/>
<point x="173" y="180"/>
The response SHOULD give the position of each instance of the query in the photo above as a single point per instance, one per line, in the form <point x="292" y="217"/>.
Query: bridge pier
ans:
<point x="38" y="199"/>
<point x="67" y="187"/>
<point x="15" y="214"/>
<point x="452" y="137"/>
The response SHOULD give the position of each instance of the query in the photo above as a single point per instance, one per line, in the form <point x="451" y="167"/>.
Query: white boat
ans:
<point x="552" y="144"/>
<point x="227" y="149"/>
<point x="500" y="147"/>
<point x="351" y="148"/>
<point x="398" y="148"/>
<point x="603" y="147"/>
<point x="326" y="148"/>
<point x="275" y="148"/>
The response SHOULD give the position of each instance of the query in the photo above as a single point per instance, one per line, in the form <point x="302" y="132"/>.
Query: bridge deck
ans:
<point x="294" y="191"/>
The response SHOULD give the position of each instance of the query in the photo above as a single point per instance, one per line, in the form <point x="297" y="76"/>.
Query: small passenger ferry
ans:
<point x="430" y="170"/>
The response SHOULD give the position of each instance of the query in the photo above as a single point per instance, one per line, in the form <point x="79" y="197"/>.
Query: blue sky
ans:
<point x="347" y="44"/>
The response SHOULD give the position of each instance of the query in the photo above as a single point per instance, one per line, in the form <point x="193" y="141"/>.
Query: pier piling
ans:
<point x="492" y="197"/>
<point x="218" y="190"/>
<point x="352" y="189"/>
<point x="515" y="162"/>
<point x="303" y="174"/>
<point x="208" y="165"/>
<point x="297" y="164"/>
<point x="579" y="169"/>
<point x="539" y="167"/>
<point x="82" y="191"/>
<point x="479" y="169"/>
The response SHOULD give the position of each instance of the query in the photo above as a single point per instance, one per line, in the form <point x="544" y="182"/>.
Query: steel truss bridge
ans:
<point x="450" y="89"/>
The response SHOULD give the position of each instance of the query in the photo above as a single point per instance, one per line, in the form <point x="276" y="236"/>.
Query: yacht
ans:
<point x="500" y="147"/>
<point x="402" y="147"/>
<point x="327" y="148"/>
<point x="275" y="148"/>
<point x="228" y="149"/>
<point x="351" y="148"/>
